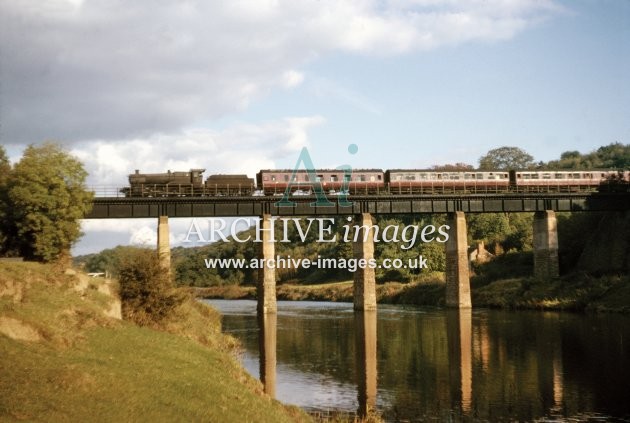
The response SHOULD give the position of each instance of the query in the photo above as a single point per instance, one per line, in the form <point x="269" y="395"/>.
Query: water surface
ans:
<point x="425" y="364"/>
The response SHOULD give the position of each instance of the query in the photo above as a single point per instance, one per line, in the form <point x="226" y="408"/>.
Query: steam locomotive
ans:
<point x="370" y="181"/>
<point x="184" y="184"/>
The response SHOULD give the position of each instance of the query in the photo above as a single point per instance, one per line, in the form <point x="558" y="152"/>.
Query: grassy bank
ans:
<point x="577" y="292"/>
<point x="62" y="358"/>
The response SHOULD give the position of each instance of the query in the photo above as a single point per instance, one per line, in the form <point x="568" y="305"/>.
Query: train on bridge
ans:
<point x="274" y="182"/>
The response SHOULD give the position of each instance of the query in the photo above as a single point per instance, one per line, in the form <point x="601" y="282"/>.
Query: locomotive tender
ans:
<point x="368" y="181"/>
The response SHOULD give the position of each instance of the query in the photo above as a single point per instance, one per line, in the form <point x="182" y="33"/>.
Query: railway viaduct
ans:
<point x="362" y="208"/>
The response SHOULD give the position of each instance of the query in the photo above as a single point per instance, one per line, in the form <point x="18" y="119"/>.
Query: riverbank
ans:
<point x="578" y="292"/>
<point x="65" y="355"/>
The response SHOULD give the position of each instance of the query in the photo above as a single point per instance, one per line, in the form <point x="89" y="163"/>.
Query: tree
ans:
<point x="611" y="156"/>
<point x="506" y="158"/>
<point x="47" y="197"/>
<point x="488" y="227"/>
<point x="5" y="169"/>
<point x="453" y="167"/>
<point x="5" y="166"/>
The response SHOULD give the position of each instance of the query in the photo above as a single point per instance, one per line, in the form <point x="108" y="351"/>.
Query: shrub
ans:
<point x="146" y="290"/>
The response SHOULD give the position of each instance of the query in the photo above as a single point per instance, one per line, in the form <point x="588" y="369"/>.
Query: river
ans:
<point x="428" y="364"/>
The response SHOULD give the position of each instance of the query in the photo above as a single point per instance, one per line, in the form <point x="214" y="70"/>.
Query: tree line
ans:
<point x="42" y="199"/>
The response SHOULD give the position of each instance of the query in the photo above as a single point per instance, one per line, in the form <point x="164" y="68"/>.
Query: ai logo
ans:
<point x="304" y="161"/>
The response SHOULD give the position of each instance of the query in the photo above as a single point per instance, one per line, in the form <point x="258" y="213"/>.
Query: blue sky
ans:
<point x="243" y="85"/>
<point x="560" y="85"/>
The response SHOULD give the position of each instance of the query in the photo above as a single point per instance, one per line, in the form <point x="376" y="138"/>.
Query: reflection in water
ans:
<point x="267" y="328"/>
<point x="558" y="378"/>
<point x="365" y="340"/>
<point x="481" y="344"/>
<point x="558" y="389"/>
<point x="440" y="365"/>
<point x="459" y="338"/>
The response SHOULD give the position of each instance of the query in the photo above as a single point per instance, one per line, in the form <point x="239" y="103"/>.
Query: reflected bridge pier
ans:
<point x="365" y="358"/>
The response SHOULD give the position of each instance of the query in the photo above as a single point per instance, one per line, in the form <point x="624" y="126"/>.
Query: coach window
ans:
<point x="333" y="178"/>
<point x="273" y="178"/>
<point x="380" y="177"/>
<point x="286" y="178"/>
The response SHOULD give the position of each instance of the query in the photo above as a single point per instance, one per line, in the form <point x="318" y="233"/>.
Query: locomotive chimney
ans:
<point x="137" y="171"/>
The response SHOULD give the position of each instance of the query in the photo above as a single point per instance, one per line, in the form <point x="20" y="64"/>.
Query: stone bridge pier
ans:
<point x="163" y="244"/>
<point x="546" y="245"/>
<point x="266" y="288"/>
<point x="457" y="266"/>
<point x="365" y="276"/>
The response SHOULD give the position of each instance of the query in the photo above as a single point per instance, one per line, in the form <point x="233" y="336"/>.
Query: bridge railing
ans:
<point x="124" y="192"/>
<point x="106" y="191"/>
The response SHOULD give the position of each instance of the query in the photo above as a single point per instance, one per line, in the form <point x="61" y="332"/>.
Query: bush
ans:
<point x="146" y="290"/>
<point x="509" y="265"/>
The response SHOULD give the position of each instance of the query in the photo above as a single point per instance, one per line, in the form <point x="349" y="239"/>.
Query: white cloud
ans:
<point x="144" y="237"/>
<point x="236" y="149"/>
<point x="293" y="78"/>
<point x="119" y="70"/>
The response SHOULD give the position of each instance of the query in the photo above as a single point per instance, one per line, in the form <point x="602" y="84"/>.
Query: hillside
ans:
<point x="65" y="356"/>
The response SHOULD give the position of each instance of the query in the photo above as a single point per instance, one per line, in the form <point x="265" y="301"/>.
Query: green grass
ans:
<point x="88" y="367"/>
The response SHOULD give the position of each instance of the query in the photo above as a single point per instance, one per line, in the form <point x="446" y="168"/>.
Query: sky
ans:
<point x="238" y="86"/>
